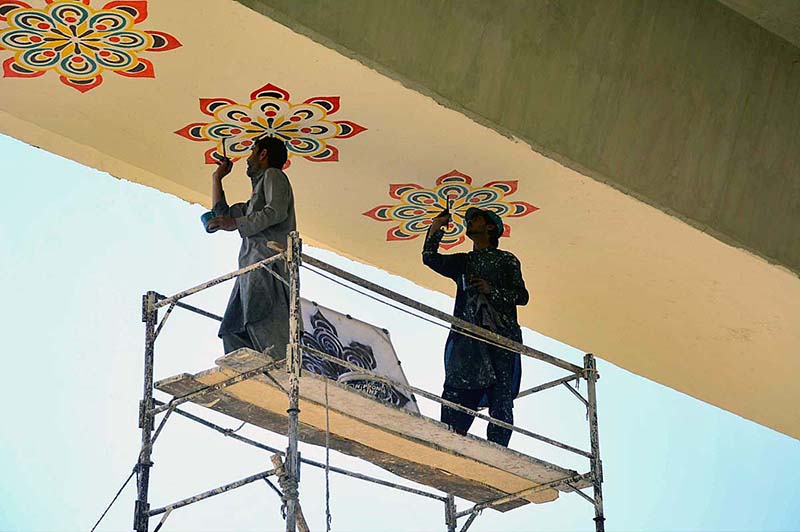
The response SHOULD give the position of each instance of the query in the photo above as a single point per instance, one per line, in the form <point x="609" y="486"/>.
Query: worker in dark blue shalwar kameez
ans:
<point x="257" y="315"/>
<point x="489" y="289"/>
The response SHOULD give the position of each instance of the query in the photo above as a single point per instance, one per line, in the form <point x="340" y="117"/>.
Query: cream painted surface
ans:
<point x="607" y="273"/>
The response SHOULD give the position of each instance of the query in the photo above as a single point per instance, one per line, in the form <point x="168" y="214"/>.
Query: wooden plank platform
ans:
<point x="409" y="445"/>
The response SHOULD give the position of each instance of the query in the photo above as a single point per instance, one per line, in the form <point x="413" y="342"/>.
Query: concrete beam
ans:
<point x="685" y="105"/>
<point x="781" y="17"/>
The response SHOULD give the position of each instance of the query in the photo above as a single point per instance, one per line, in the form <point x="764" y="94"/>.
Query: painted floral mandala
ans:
<point x="305" y="127"/>
<point x="418" y="206"/>
<point x="79" y="42"/>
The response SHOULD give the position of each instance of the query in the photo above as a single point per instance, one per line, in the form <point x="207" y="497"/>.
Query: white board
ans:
<point x="359" y="343"/>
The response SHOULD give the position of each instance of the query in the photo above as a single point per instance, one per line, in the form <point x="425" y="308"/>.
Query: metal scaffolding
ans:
<point x="288" y="462"/>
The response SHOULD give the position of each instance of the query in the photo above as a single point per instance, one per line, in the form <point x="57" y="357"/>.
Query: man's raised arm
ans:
<point x="217" y="193"/>
<point x="448" y="265"/>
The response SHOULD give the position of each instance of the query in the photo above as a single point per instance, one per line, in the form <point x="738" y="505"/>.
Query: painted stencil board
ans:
<point x="356" y="342"/>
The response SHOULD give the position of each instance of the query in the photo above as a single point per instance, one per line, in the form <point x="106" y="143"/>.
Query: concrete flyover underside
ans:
<point x="685" y="105"/>
<point x="690" y="107"/>
<point x="781" y="17"/>
<point x="682" y="106"/>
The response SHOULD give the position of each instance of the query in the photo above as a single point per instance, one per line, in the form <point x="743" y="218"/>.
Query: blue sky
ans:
<point x="79" y="249"/>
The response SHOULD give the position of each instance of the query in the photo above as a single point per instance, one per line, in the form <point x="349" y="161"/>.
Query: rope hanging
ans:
<point x="328" y="517"/>
<point x="288" y="487"/>
<point x="134" y="472"/>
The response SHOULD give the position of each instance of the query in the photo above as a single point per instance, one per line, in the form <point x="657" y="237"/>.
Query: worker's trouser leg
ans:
<point x="460" y="421"/>
<point x="272" y="331"/>
<point x="501" y="406"/>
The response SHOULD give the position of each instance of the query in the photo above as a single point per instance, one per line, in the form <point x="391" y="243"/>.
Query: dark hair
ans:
<point x="276" y="151"/>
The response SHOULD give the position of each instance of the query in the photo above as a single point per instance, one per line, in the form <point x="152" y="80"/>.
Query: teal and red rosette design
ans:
<point x="417" y="206"/>
<point x="77" y="42"/>
<point x="305" y="127"/>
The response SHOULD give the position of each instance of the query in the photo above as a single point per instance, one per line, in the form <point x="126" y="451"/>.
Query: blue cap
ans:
<point x="488" y="215"/>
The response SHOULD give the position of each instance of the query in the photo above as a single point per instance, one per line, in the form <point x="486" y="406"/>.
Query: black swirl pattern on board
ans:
<point x="380" y="390"/>
<point x="359" y="354"/>
<point x="318" y="365"/>
<point x="324" y="337"/>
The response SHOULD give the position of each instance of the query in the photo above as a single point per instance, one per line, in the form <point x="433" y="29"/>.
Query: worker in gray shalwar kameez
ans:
<point x="257" y="315"/>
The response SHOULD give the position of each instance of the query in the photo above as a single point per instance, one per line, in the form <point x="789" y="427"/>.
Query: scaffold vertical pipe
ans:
<point x="293" y="258"/>
<point x="450" y="513"/>
<point x="142" y="506"/>
<point x="590" y="366"/>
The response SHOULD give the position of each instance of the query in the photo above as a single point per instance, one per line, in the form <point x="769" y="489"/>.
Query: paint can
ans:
<point x="207" y="217"/>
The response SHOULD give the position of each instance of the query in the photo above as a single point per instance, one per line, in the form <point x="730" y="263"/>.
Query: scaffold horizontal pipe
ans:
<point x="213" y="282"/>
<point x="454" y="406"/>
<point x="525" y="493"/>
<point x="547" y="385"/>
<point x="214" y="387"/>
<point x="192" y="308"/>
<point x="478" y="331"/>
<point x="307" y="461"/>
<point x="212" y="493"/>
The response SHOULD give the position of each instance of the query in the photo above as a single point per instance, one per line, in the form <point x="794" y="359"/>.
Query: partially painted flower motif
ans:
<point x="305" y="127"/>
<point x="418" y="206"/>
<point x="78" y="42"/>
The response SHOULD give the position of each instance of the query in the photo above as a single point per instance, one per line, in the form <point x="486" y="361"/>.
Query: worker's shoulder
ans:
<point x="276" y="173"/>
<point x="508" y="256"/>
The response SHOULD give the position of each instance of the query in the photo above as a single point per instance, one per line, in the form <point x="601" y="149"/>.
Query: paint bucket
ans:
<point x="207" y="217"/>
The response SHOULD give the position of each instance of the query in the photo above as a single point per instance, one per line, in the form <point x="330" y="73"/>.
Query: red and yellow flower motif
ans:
<point x="79" y="42"/>
<point x="418" y="206"/>
<point x="305" y="127"/>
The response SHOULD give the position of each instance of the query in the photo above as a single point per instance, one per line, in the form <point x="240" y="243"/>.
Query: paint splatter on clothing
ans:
<point x="469" y="363"/>
<point x="478" y="374"/>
